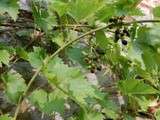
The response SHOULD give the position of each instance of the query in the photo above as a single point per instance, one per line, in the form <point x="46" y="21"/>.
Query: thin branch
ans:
<point x="76" y="25"/>
<point x="16" y="25"/>
<point x="61" y="49"/>
<point x="48" y="59"/>
<point x="72" y="41"/>
<point x="25" y="92"/>
<point x="144" y="21"/>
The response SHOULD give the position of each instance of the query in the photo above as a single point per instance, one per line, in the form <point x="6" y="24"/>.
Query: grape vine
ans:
<point x="49" y="53"/>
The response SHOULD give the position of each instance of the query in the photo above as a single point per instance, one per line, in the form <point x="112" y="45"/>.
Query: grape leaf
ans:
<point x="108" y="106"/>
<point x="106" y="12"/>
<point x="4" y="57"/>
<point x="47" y="103"/>
<point x="40" y="13"/>
<point x="94" y="116"/>
<point x="148" y="36"/>
<point x="83" y="9"/>
<point x="133" y="87"/>
<point x="10" y="6"/>
<point x="15" y="85"/>
<point x="156" y="11"/>
<point x="22" y="53"/>
<point x="69" y="78"/>
<point x="101" y="39"/>
<point x="81" y="89"/>
<point x="157" y="114"/>
<point x="127" y="7"/>
<point x="149" y="60"/>
<point x="36" y="58"/>
<point x="60" y="7"/>
<point x="5" y="117"/>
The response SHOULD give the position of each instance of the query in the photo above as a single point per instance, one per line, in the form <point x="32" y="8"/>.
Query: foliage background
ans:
<point x="44" y="60"/>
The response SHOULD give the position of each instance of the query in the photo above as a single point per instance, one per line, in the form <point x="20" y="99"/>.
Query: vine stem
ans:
<point x="143" y="21"/>
<point x="73" y="25"/>
<point x="47" y="59"/>
<point x="25" y="92"/>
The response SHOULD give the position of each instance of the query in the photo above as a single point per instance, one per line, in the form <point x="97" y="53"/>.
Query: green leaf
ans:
<point x="60" y="7"/>
<point x="157" y="114"/>
<point x="148" y="36"/>
<point x="75" y="54"/>
<point x="127" y="7"/>
<point x="94" y="116"/>
<point x="106" y="12"/>
<point x="143" y="102"/>
<point x="5" y="117"/>
<point x="58" y="39"/>
<point x="47" y="103"/>
<point x="10" y="6"/>
<point x="15" y="85"/>
<point x="22" y="53"/>
<point x="134" y="87"/>
<point x="4" y="57"/>
<point x="101" y="39"/>
<point x="156" y="11"/>
<point x="135" y="54"/>
<point x="40" y="13"/>
<point x="108" y="107"/>
<point x="55" y="104"/>
<point x="81" y="89"/>
<point x="39" y="98"/>
<point x="84" y="9"/>
<point x="68" y="78"/>
<point x="36" y="58"/>
<point x="149" y="60"/>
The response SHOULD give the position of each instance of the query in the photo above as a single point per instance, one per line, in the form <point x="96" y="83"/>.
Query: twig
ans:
<point x="144" y="21"/>
<point x="25" y="92"/>
<point x="46" y="60"/>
